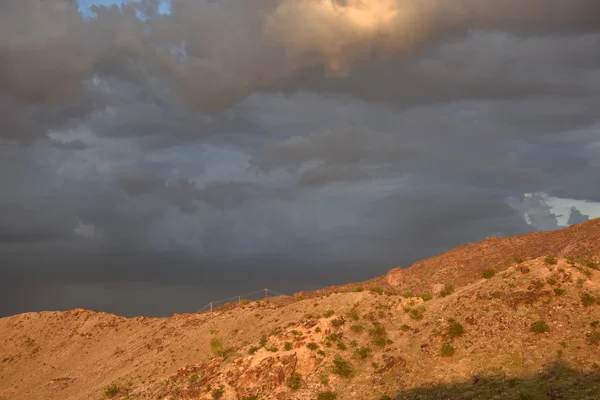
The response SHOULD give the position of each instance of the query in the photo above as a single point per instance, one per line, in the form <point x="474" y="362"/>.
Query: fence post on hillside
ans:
<point x="266" y="293"/>
<point x="240" y="301"/>
<point x="211" y="307"/>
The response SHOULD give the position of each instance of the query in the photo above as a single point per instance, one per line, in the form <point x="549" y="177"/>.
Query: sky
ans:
<point x="156" y="156"/>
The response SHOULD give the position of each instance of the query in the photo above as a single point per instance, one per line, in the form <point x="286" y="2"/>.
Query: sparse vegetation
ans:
<point x="253" y="349"/>
<point x="489" y="273"/>
<point x="358" y="328"/>
<point x="353" y="315"/>
<point x="328" y="395"/>
<point x="540" y="326"/>
<point x="312" y="345"/>
<point x="551" y="281"/>
<point x="376" y="289"/>
<point x="427" y="296"/>
<point x="358" y="289"/>
<point x="287" y="346"/>
<point x="219" y="349"/>
<point x="114" y="390"/>
<point x="447" y="350"/>
<point x="342" y="367"/>
<point x="559" y="291"/>
<point x="448" y="290"/>
<point x="338" y="322"/>
<point x="341" y="346"/>
<point x="550" y="260"/>
<point x="455" y="329"/>
<point x="416" y="314"/>
<point x="363" y="352"/>
<point x="405" y="328"/>
<point x="328" y="313"/>
<point x="217" y="394"/>
<point x="587" y="299"/>
<point x="408" y="294"/>
<point x="294" y="382"/>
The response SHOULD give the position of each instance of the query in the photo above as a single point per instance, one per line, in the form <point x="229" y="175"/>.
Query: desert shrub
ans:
<point x="250" y="397"/>
<point x="318" y="329"/>
<point x="489" y="273"/>
<point x="334" y="337"/>
<point x="342" y="346"/>
<point x="218" y="348"/>
<point x="385" y="397"/>
<point x="550" y="260"/>
<point x="559" y="291"/>
<point x="497" y="294"/>
<point x="540" y="326"/>
<point x="358" y="289"/>
<point x="416" y="314"/>
<point x="342" y="367"/>
<point x="455" y="329"/>
<point x="537" y="284"/>
<point x="353" y="315"/>
<point x="114" y="390"/>
<point x="363" y="352"/>
<point x="591" y="264"/>
<point x="272" y="349"/>
<point x="447" y="350"/>
<point x="336" y="323"/>
<point x="328" y="313"/>
<point x="594" y="324"/>
<point x="287" y="346"/>
<point x="551" y="281"/>
<point x="217" y="394"/>
<point x="296" y="333"/>
<point x="426" y="296"/>
<point x="405" y="328"/>
<point x="294" y="382"/>
<point x="587" y="299"/>
<point x="253" y="350"/>
<point x="588" y="273"/>
<point x="448" y="290"/>
<point x="594" y="337"/>
<point x="311" y="316"/>
<point x="408" y="294"/>
<point x="328" y="395"/>
<point x="376" y="289"/>
<point x="321" y="353"/>
<point x="263" y="341"/>
<point x="312" y="345"/>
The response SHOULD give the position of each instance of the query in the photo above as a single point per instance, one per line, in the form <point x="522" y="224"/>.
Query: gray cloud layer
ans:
<point x="328" y="139"/>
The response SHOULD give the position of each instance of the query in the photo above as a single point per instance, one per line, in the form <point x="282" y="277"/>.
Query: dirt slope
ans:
<point x="349" y="342"/>
<point x="465" y="263"/>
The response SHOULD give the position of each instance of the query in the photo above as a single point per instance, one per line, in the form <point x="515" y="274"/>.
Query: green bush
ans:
<point x="342" y="367"/>
<point x="217" y="394"/>
<point x="353" y="315"/>
<point x="114" y="390"/>
<point x="336" y="323"/>
<point x="342" y="346"/>
<point x="358" y="289"/>
<point x="559" y="291"/>
<point x="448" y="290"/>
<point x="312" y="345"/>
<point x="426" y="296"/>
<point x="416" y="314"/>
<point x="253" y="350"/>
<point x="295" y="381"/>
<point x="408" y="294"/>
<point x="328" y="395"/>
<point x="218" y="348"/>
<point x="358" y="328"/>
<point x="328" y="313"/>
<point x="363" y="352"/>
<point x="587" y="299"/>
<point x="550" y="260"/>
<point x="376" y="289"/>
<point x="489" y="273"/>
<point x="287" y="346"/>
<point x="540" y="326"/>
<point x="551" y="281"/>
<point x="447" y="350"/>
<point x="455" y="329"/>
<point x="405" y="328"/>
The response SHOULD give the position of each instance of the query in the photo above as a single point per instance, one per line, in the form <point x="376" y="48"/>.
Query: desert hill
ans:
<point x="514" y="318"/>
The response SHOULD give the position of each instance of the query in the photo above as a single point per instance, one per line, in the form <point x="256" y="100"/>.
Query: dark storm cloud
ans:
<point x="290" y="144"/>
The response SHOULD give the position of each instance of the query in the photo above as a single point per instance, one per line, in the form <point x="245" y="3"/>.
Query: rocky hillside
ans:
<point x="480" y="327"/>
